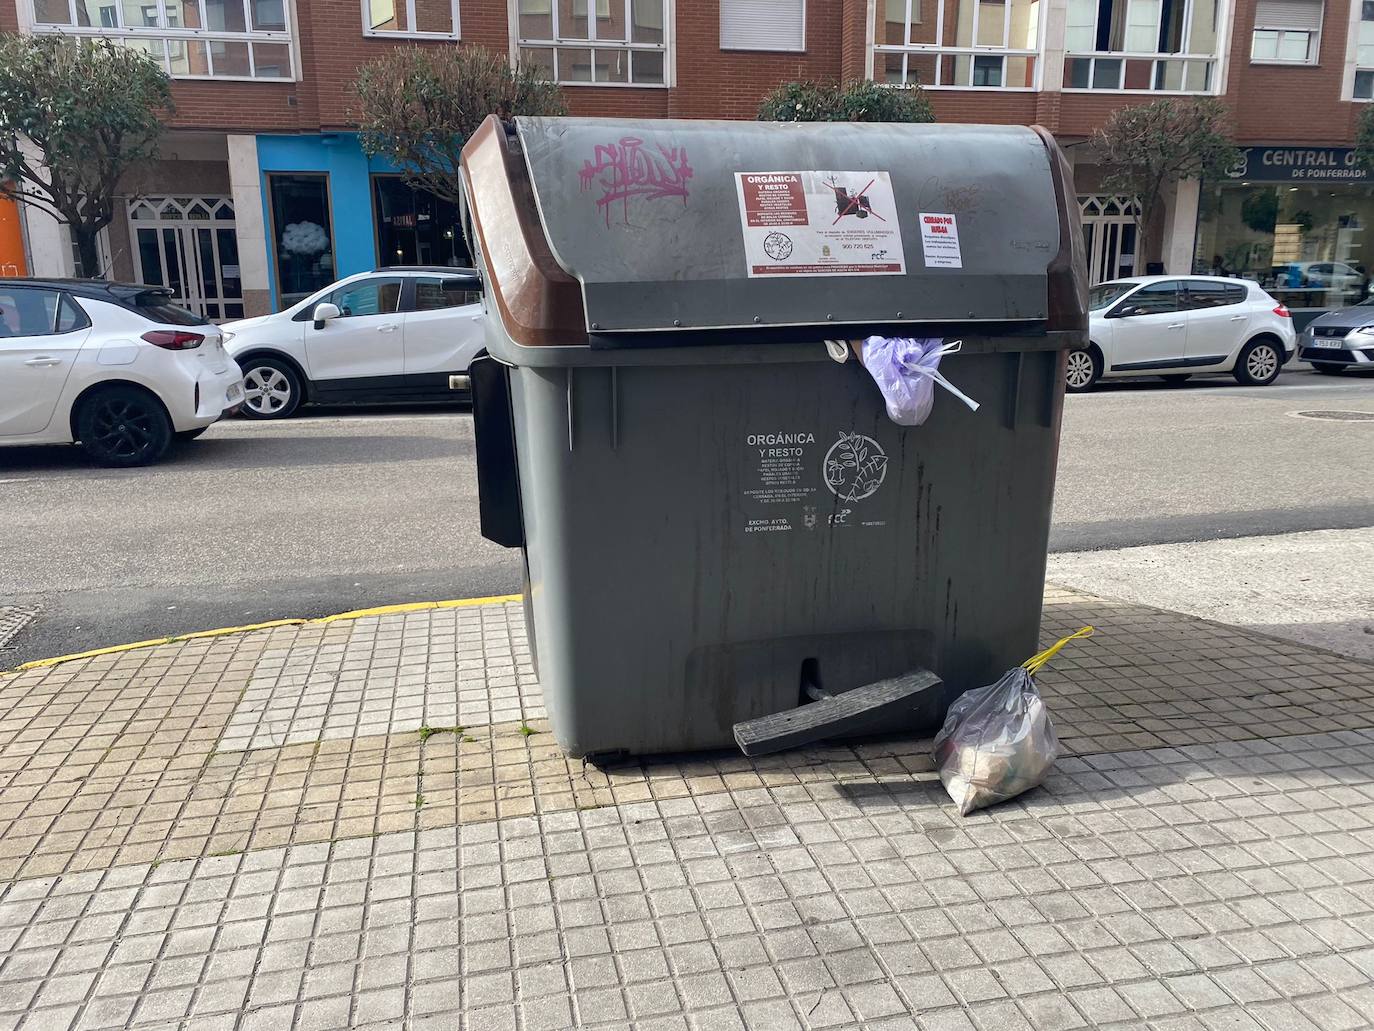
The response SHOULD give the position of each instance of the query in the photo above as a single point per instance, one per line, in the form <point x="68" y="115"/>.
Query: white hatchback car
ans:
<point x="396" y="334"/>
<point x="116" y="367"/>
<point x="1174" y="326"/>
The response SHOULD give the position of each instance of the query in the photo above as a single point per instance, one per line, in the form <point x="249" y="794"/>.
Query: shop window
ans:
<point x="594" y="42"/>
<point x="1286" y="31"/>
<point x="302" y="234"/>
<point x="414" y="227"/>
<point x="958" y="44"/>
<point x="1141" y="46"/>
<point x="763" y="25"/>
<point x="424" y="19"/>
<point x="1310" y="246"/>
<point x="190" y="39"/>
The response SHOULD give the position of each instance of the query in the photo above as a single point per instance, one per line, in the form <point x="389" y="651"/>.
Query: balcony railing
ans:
<point x="197" y="54"/>
<point x="1139" y="73"/>
<point x="937" y="67"/>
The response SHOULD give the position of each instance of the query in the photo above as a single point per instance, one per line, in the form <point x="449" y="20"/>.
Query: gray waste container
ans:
<point x="714" y="511"/>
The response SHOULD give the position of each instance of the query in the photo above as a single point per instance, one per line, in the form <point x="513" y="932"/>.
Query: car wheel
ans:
<point x="1083" y="370"/>
<point x="1259" y="363"/>
<point x="1177" y="377"/>
<point x="188" y="435"/>
<point x="271" y="389"/>
<point x="123" y="426"/>
<point x="1327" y="369"/>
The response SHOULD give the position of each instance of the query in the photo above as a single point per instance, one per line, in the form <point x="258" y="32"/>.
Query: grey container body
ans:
<point x="683" y="570"/>
<point x="713" y="510"/>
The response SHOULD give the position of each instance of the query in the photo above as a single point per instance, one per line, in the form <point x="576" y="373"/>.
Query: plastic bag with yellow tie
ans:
<point x="999" y="741"/>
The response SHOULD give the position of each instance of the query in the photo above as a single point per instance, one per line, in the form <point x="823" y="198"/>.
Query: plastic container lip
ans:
<point x="541" y="304"/>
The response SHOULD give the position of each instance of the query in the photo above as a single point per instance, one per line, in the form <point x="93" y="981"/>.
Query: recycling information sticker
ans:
<point x="819" y="224"/>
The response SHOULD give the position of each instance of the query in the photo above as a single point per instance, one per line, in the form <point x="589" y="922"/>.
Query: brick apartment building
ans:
<point x="263" y="195"/>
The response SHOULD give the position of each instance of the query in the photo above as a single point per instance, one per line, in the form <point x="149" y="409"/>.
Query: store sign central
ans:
<point x="1299" y="164"/>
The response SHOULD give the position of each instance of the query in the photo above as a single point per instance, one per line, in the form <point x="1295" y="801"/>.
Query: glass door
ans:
<point x="1109" y="232"/>
<point x="188" y="245"/>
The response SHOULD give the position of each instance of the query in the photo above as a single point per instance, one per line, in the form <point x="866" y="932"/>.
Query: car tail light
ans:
<point x="1282" y="312"/>
<point x="174" y="339"/>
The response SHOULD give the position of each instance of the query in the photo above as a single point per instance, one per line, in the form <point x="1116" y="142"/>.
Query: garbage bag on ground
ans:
<point x="998" y="741"/>
<point x="906" y="372"/>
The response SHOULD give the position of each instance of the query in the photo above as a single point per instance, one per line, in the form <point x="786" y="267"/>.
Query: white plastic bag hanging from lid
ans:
<point x="906" y="371"/>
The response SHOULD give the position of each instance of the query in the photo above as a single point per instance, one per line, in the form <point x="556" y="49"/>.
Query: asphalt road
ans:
<point x="344" y="509"/>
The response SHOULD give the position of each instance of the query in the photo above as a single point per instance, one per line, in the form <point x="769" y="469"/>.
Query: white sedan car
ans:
<point x="115" y="367"/>
<point x="395" y="334"/>
<point x="1174" y="326"/>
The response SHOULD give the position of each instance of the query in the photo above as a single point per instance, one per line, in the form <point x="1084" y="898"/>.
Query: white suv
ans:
<point x="395" y="334"/>
<point x="1174" y="326"/>
<point x="115" y="367"/>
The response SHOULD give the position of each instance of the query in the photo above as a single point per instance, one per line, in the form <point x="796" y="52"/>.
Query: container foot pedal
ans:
<point x="834" y="715"/>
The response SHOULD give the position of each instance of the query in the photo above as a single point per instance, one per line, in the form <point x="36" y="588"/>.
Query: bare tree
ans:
<point x="1144" y="148"/>
<point x="417" y="106"/>
<point x="75" y="116"/>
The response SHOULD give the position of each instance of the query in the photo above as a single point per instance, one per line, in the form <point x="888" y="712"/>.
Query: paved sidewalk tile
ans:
<point x="850" y="906"/>
<point x="312" y="827"/>
<point x="383" y="675"/>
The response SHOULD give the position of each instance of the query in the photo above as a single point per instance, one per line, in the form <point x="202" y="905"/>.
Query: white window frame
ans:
<point x="409" y="6"/>
<point x="1313" y="45"/>
<point x="1353" y="67"/>
<point x="763" y="49"/>
<point x="1314" y="39"/>
<point x="941" y="52"/>
<point x="1215" y="77"/>
<point x="667" y="48"/>
<point x="166" y="36"/>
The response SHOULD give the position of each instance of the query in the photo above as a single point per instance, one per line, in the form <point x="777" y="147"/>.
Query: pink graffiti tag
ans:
<point x="628" y="169"/>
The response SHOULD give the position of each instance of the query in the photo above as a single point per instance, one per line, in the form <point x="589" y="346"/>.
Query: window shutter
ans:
<point x="1289" y="14"/>
<point x="763" y="24"/>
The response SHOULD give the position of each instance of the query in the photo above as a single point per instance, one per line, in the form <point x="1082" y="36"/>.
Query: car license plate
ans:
<point x="1335" y="342"/>
<point x="234" y="393"/>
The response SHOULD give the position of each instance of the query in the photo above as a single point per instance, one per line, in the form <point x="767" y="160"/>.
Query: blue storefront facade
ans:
<point x="329" y="211"/>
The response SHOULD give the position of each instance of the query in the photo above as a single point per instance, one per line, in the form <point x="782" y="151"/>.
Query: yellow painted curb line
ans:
<point x="417" y="606"/>
<point x="379" y="610"/>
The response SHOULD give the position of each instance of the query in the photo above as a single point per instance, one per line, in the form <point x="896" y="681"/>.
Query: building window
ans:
<point x="595" y="42"/>
<point x="190" y="39"/>
<point x="763" y="25"/>
<point x="1142" y="46"/>
<point x="1286" y="31"/>
<point x="958" y="44"/>
<point x="302" y="234"/>
<point x="424" y="19"/>
<point x="414" y="227"/>
<point x="1364" y="53"/>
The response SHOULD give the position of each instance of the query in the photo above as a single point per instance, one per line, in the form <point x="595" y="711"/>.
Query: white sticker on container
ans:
<point x="940" y="241"/>
<point x="819" y="224"/>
